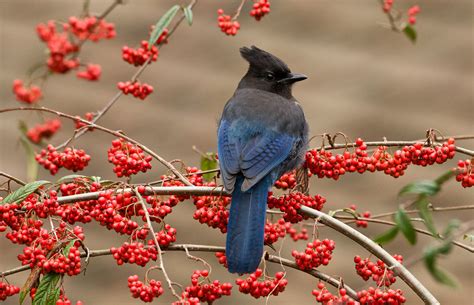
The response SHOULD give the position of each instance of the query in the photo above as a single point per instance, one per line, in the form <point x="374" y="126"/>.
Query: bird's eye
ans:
<point x="269" y="76"/>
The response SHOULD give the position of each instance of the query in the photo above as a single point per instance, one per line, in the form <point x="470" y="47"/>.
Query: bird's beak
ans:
<point x="293" y="78"/>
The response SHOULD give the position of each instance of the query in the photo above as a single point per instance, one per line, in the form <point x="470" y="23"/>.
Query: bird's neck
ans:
<point x="283" y="91"/>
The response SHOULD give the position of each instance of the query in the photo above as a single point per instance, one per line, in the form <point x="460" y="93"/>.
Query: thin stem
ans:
<point x="239" y="9"/>
<point x="12" y="178"/>
<point x="157" y="245"/>
<point x="390" y="223"/>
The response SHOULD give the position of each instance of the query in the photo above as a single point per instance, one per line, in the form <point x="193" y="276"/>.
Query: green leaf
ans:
<point x="208" y="162"/>
<point x="24" y="191"/>
<point x="68" y="247"/>
<point x="445" y="177"/>
<point x="452" y="225"/>
<point x="405" y="225"/>
<point x="430" y="259"/>
<point x="71" y="177"/>
<point x="48" y="290"/>
<point x="31" y="164"/>
<point x="188" y="14"/>
<point x="469" y="237"/>
<point x="387" y="236"/>
<point x="422" y="205"/>
<point x="160" y="26"/>
<point x="410" y="33"/>
<point x="423" y="187"/>
<point x="23" y="295"/>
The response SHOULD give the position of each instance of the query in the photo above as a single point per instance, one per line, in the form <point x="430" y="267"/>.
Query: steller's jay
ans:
<point x="262" y="134"/>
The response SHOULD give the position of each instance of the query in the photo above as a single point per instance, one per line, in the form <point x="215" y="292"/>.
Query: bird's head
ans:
<point x="267" y="72"/>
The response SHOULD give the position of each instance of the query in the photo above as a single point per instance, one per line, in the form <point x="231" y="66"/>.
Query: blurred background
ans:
<point x="364" y="80"/>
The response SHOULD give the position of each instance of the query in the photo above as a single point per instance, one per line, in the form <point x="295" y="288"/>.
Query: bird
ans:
<point x="261" y="135"/>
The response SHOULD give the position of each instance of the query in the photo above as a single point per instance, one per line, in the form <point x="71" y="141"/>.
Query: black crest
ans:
<point x="262" y="60"/>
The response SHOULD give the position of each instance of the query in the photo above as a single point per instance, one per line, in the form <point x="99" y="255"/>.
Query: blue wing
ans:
<point x="255" y="158"/>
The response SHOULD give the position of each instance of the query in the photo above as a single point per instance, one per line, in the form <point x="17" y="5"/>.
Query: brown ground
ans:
<point x="363" y="80"/>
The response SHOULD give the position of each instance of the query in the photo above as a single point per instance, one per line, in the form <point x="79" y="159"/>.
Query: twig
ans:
<point x="12" y="178"/>
<point x="390" y="223"/>
<point x="239" y="9"/>
<point x="157" y="245"/>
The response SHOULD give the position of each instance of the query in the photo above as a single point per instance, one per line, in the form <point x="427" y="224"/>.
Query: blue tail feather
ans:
<point x="246" y="227"/>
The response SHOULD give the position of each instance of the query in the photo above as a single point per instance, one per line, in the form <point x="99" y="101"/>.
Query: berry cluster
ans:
<point x="61" y="263"/>
<point x="221" y="258"/>
<point x="165" y="237"/>
<point x="7" y="290"/>
<point x="89" y="116"/>
<point x="290" y="204"/>
<point x="71" y="159"/>
<point x="63" y="48"/>
<point x="138" y="57"/>
<point x="465" y="173"/>
<point x="324" y="164"/>
<point x="108" y="211"/>
<point x="91" y="28"/>
<point x="60" y="47"/>
<point x="128" y="159"/>
<point x="186" y="301"/>
<point x="274" y="231"/>
<point x="212" y="211"/>
<point x="227" y="24"/>
<point x="325" y="297"/>
<point x="91" y="73"/>
<point x="387" y="5"/>
<point x="412" y="12"/>
<point x="318" y="252"/>
<point x="377" y="271"/>
<point x="258" y="285"/>
<point x="206" y="292"/>
<point x="295" y="235"/>
<point x="146" y="292"/>
<point x="43" y="131"/>
<point x="29" y="95"/>
<point x="378" y="296"/>
<point x="63" y="260"/>
<point x="286" y="181"/>
<point x="260" y="8"/>
<point x="134" y="253"/>
<point x="163" y="37"/>
<point x="366" y="214"/>
<point x="136" y="89"/>
<point x="27" y="232"/>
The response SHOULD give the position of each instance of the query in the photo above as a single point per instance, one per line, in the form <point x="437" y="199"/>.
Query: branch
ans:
<point x="205" y="248"/>
<point x="376" y="250"/>
<point x="20" y="182"/>
<point x="115" y="133"/>
<point x="390" y="223"/>
<point x="391" y="144"/>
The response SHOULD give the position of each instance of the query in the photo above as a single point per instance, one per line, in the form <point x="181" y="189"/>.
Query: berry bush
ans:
<point x="47" y="221"/>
